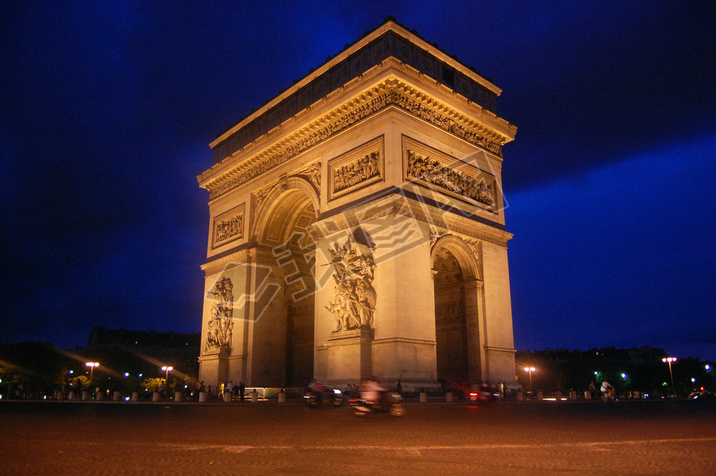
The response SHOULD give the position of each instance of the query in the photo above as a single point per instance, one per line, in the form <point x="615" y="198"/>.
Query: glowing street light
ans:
<point x="166" y="372"/>
<point x="530" y="370"/>
<point x="92" y="365"/>
<point x="669" y="360"/>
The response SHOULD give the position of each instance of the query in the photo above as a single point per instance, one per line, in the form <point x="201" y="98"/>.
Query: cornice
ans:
<point x="391" y="84"/>
<point x="218" y="264"/>
<point x="345" y="54"/>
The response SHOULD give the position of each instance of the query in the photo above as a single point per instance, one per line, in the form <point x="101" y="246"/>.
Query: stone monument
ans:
<point x="357" y="227"/>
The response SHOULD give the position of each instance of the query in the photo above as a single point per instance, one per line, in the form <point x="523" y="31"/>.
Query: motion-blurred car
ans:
<point x="701" y="395"/>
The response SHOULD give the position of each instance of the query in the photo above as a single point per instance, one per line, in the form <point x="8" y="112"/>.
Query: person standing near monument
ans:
<point x="607" y="391"/>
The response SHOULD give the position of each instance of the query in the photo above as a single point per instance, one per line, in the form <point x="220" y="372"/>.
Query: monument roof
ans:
<point x="390" y="39"/>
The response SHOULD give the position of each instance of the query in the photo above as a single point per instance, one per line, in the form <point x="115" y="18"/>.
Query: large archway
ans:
<point x="456" y="313"/>
<point x="285" y="246"/>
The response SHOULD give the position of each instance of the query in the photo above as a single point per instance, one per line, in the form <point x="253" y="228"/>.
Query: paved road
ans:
<point x="516" y="438"/>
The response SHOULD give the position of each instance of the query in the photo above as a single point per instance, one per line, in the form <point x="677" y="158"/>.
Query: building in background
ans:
<point x="146" y="351"/>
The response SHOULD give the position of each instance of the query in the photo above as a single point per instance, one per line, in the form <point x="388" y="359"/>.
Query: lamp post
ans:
<point x="530" y="370"/>
<point x="166" y="373"/>
<point x="92" y="365"/>
<point x="669" y="360"/>
<point x="166" y="370"/>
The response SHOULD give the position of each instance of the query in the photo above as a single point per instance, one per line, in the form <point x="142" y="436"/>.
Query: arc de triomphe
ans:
<point x="357" y="227"/>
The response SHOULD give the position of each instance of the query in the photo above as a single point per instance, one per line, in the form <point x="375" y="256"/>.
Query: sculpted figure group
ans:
<point x="355" y="296"/>
<point x="229" y="228"/>
<point x="357" y="171"/>
<point x="434" y="172"/>
<point x="221" y="324"/>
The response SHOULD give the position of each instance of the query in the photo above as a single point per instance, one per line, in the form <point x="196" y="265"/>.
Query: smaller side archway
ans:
<point x="457" y="287"/>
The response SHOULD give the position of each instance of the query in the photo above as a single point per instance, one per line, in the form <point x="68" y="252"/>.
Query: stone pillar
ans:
<point x="400" y="343"/>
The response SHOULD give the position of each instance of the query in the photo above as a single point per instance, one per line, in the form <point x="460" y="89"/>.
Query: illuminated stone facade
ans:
<point x="357" y="227"/>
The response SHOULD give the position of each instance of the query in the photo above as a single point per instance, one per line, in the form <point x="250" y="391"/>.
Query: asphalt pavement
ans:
<point x="103" y="438"/>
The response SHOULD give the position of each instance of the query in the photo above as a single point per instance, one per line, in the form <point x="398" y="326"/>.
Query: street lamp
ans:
<point x="92" y="365"/>
<point x="166" y="372"/>
<point x="669" y="360"/>
<point x="530" y="370"/>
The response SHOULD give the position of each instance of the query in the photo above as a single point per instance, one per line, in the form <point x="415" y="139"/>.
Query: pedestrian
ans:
<point x="607" y="391"/>
<point x="502" y="389"/>
<point x="242" y="387"/>
<point x="229" y="388"/>
<point x="399" y="387"/>
<point x="197" y="389"/>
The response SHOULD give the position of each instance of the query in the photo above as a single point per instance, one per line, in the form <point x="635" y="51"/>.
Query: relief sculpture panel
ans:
<point x="221" y="324"/>
<point x="355" y="297"/>
<point x="228" y="226"/>
<point x="434" y="169"/>
<point x="356" y="169"/>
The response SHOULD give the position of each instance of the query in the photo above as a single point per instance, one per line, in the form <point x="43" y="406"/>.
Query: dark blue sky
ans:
<point x="107" y="110"/>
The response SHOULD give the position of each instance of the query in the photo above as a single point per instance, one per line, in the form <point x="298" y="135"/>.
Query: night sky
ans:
<point x="107" y="110"/>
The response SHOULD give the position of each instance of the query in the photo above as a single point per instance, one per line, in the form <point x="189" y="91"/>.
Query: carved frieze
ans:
<point x="220" y="326"/>
<point x="390" y="93"/>
<point x="434" y="169"/>
<point x="228" y="226"/>
<point x="356" y="169"/>
<point x="353" y="305"/>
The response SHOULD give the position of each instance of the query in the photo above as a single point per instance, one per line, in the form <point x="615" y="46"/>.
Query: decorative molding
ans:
<point x="356" y="169"/>
<point x="427" y="166"/>
<point x="436" y="234"/>
<point x="312" y="173"/>
<point x="228" y="226"/>
<point x="258" y="197"/>
<point x="390" y="92"/>
<point x="402" y="205"/>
